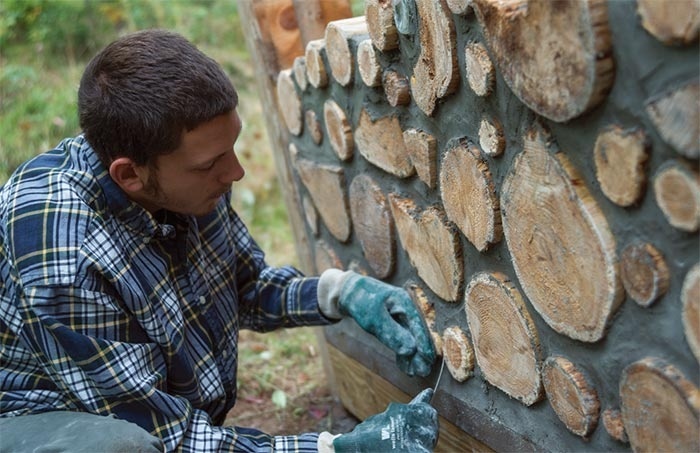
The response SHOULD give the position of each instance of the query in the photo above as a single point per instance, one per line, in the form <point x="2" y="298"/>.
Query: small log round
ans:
<point x="573" y="398"/>
<point x="427" y="308"/>
<point x="396" y="88"/>
<point x="326" y="186"/>
<point x="380" y="24"/>
<point x="491" y="138"/>
<point x="435" y="74"/>
<point x="690" y="299"/>
<point x="422" y="148"/>
<point x="612" y="421"/>
<point x="315" y="67"/>
<point x="374" y="226"/>
<point x="469" y="195"/>
<point x="480" y="72"/>
<point x="368" y="64"/>
<point x="506" y="343"/>
<point x="619" y="157"/>
<point x="310" y="214"/>
<point x="459" y="6"/>
<point x="299" y="70"/>
<point x="674" y="23"/>
<point x="677" y="191"/>
<point x="561" y="246"/>
<point x="676" y="115"/>
<point x="660" y="407"/>
<point x="458" y="353"/>
<point x="289" y="102"/>
<point x="381" y="143"/>
<point x="644" y="272"/>
<point x="339" y="130"/>
<point x="555" y="56"/>
<point x="313" y="126"/>
<point x="432" y="246"/>
<point x="340" y="57"/>
<point x="325" y="257"/>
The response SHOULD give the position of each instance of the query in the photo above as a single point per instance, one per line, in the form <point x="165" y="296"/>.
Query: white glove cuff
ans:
<point x="330" y="283"/>
<point x="325" y="442"/>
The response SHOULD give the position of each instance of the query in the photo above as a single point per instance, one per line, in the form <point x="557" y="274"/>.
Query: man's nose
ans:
<point x="232" y="169"/>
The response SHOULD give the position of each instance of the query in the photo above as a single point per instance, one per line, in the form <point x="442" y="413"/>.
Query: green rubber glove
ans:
<point x="402" y="427"/>
<point x="388" y="313"/>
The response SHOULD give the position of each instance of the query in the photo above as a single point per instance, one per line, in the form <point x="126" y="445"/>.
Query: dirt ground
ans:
<point x="282" y="388"/>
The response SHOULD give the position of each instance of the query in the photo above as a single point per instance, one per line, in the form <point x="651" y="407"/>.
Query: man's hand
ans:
<point x="388" y="313"/>
<point x="402" y="427"/>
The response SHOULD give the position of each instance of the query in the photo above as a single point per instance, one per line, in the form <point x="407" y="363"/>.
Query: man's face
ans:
<point x="192" y="179"/>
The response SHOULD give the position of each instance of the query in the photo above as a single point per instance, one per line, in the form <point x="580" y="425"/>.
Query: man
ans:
<point x="125" y="276"/>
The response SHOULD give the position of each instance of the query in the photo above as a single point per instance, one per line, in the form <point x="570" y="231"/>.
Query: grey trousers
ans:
<point x="62" y="431"/>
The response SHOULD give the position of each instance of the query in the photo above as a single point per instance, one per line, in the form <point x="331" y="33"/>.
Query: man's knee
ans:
<point x="61" y="431"/>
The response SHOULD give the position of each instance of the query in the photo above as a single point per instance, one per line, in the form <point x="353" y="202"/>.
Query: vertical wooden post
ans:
<point x="268" y="28"/>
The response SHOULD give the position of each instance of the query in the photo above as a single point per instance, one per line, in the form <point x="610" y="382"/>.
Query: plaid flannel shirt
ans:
<point x="108" y="310"/>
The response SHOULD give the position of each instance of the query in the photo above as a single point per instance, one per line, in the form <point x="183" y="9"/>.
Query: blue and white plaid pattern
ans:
<point x="108" y="310"/>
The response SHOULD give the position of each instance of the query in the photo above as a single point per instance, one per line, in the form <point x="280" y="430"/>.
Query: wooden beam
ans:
<point x="364" y="394"/>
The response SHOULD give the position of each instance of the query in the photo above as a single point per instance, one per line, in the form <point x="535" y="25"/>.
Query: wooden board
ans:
<point x="505" y="338"/>
<point x="363" y="391"/>
<point x="555" y="56"/>
<point x="660" y="407"/>
<point x="562" y="248"/>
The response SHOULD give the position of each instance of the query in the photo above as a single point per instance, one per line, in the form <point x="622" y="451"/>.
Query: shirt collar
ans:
<point x="128" y="212"/>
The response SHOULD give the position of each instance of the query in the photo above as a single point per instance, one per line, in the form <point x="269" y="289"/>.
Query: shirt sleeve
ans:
<point x="98" y="362"/>
<point x="271" y="297"/>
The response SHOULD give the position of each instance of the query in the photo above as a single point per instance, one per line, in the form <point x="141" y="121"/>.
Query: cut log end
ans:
<point x="427" y="308"/>
<point x="672" y="23"/>
<point x="677" y="190"/>
<point x="676" y="115"/>
<point x="340" y="57"/>
<point x="368" y="64"/>
<point x="506" y="343"/>
<point x="612" y="421"/>
<point x="381" y="143"/>
<point x="619" y="157"/>
<point x="458" y="353"/>
<point x="422" y="148"/>
<point x="645" y="274"/>
<point x="431" y="244"/>
<point x="339" y="130"/>
<point x="469" y="195"/>
<point x="299" y="70"/>
<point x="310" y="214"/>
<point x="313" y="126"/>
<point x="315" y="67"/>
<point x="325" y="257"/>
<point x="479" y="69"/>
<point x="690" y="299"/>
<point x="572" y="397"/>
<point x="380" y="24"/>
<point x="396" y="88"/>
<point x="371" y="217"/>
<point x="655" y="394"/>
<point x="562" y="249"/>
<point x="491" y="138"/>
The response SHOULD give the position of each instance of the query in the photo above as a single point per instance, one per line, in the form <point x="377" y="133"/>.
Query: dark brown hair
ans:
<point x="142" y="92"/>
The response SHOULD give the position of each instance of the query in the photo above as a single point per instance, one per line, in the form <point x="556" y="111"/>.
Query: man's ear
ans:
<point x="127" y="175"/>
